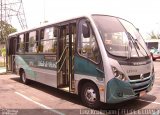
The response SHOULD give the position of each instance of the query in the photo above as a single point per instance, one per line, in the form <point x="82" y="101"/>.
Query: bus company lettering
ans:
<point x="139" y="63"/>
<point x="49" y="64"/>
<point x="131" y="71"/>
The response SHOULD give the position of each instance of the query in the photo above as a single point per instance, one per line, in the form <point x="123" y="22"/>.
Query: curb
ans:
<point x="3" y="73"/>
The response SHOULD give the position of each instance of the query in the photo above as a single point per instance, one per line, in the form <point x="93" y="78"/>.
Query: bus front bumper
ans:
<point x="119" y="91"/>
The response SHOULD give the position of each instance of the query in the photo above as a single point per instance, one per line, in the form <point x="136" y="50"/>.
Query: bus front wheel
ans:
<point x="23" y="77"/>
<point x="90" y="95"/>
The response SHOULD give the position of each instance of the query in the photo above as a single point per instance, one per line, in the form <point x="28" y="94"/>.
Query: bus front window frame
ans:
<point x="109" y="24"/>
<point x="91" y="36"/>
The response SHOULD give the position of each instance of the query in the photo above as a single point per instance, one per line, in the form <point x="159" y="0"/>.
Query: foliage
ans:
<point x="154" y="35"/>
<point x="3" y="52"/>
<point x="5" y="30"/>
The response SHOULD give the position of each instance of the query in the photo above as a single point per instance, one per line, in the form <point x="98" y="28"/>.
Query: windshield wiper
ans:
<point x="131" y="41"/>
<point x="136" y="44"/>
<point x="141" y="46"/>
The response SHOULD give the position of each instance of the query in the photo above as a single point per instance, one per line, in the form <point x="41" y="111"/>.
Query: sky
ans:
<point x="144" y="14"/>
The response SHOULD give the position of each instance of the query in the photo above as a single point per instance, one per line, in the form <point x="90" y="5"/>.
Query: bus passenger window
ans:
<point x="87" y="45"/>
<point x="48" y="40"/>
<point x="33" y="42"/>
<point x="26" y="42"/>
<point x="21" y="43"/>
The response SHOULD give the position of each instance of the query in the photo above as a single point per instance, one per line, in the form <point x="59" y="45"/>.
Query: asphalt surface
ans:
<point x="38" y="99"/>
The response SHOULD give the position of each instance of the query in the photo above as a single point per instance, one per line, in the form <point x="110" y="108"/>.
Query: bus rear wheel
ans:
<point x="90" y="95"/>
<point x="23" y="77"/>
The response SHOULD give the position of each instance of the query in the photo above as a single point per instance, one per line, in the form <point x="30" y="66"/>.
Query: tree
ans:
<point x="5" y="30"/>
<point x="154" y="36"/>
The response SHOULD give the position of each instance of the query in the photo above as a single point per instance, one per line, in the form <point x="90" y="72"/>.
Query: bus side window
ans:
<point x="20" y="44"/>
<point x="87" y="44"/>
<point x="48" y="40"/>
<point x="33" y="42"/>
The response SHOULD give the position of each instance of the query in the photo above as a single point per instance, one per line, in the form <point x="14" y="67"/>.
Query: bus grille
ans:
<point x="141" y="84"/>
<point x="135" y="77"/>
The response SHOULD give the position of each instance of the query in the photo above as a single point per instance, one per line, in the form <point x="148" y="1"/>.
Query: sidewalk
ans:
<point x="2" y="70"/>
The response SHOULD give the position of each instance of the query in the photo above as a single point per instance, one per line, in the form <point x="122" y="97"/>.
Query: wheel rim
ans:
<point x="23" y="77"/>
<point x="90" y="95"/>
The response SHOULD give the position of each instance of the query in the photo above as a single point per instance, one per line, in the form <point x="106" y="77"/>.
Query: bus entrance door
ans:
<point x="10" y="58"/>
<point x="65" y="63"/>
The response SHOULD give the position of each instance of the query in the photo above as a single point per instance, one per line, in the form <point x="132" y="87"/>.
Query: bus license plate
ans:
<point x="142" y="93"/>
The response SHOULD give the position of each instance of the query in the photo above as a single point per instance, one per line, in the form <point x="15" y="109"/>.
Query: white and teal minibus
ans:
<point x="102" y="58"/>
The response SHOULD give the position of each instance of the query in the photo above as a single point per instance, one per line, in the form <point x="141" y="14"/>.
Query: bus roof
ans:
<point x="48" y="24"/>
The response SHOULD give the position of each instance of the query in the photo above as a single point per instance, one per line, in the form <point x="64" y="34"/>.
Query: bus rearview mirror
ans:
<point x="85" y="31"/>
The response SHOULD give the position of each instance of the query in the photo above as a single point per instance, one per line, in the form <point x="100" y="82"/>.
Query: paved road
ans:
<point x="36" y="98"/>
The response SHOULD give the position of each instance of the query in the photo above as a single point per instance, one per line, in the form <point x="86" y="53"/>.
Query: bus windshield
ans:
<point x="120" y="37"/>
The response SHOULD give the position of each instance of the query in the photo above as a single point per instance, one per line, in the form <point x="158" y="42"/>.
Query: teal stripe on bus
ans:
<point x="23" y="64"/>
<point x="86" y="67"/>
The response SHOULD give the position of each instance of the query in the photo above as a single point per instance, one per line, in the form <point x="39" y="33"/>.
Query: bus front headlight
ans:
<point x="119" y="75"/>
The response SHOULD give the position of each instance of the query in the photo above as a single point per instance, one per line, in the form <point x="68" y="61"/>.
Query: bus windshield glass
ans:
<point x="120" y="37"/>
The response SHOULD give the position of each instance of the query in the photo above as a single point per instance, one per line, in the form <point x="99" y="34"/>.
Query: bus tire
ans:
<point x="23" y="77"/>
<point x="90" y="95"/>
